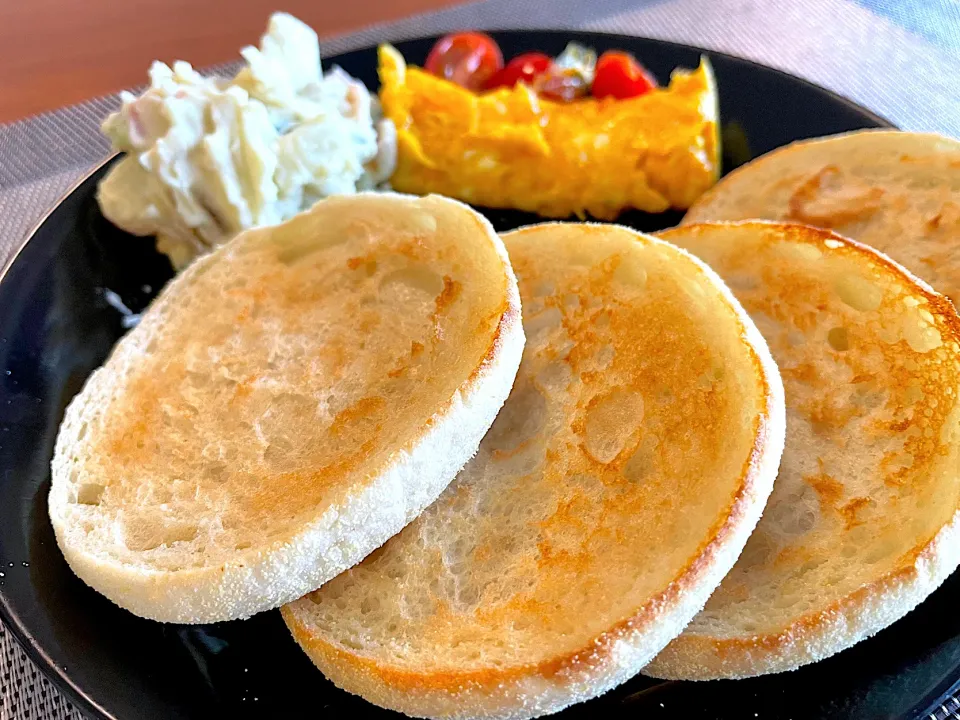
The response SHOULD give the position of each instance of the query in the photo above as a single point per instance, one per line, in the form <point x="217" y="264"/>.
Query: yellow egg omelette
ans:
<point x="509" y="148"/>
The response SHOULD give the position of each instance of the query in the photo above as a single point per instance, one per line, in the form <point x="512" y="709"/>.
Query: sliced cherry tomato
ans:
<point x="619" y="75"/>
<point x="523" y="68"/>
<point x="468" y="59"/>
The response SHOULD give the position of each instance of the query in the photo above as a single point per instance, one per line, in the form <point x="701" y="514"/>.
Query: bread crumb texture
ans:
<point x="615" y="488"/>
<point x="898" y="192"/>
<point x="854" y="533"/>
<point x="273" y="385"/>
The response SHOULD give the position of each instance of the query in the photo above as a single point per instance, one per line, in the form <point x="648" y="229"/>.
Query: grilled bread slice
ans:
<point x="285" y="406"/>
<point x="863" y="521"/>
<point x="896" y="191"/>
<point x="616" y="488"/>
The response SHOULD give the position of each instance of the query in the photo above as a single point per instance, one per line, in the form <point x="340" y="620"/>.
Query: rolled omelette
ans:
<point x="510" y="148"/>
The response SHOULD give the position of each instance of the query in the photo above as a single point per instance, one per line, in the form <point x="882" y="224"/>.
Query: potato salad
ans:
<point x="208" y="157"/>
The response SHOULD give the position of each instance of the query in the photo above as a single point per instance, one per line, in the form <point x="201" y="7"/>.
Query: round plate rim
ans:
<point x="11" y="619"/>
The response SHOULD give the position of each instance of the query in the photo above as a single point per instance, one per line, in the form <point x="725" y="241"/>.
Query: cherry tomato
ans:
<point x="523" y="68"/>
<point x="468" y="59"/>
<point x="619" y="75"/>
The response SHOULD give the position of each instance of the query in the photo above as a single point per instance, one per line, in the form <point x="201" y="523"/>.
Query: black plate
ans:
<point x="56" y="326"/>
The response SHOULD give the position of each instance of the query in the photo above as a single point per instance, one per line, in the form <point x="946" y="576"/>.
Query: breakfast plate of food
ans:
<point x="495" y="375"/>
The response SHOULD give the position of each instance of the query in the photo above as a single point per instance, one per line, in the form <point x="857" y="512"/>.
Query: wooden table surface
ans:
<point x="58" y="52"/>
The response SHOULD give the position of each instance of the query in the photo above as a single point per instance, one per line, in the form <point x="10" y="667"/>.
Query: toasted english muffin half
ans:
<point x="286" y="405"/>
<point x="616" y="488"/>
<point x="863" y="521"/>
<point x="896" y="191"/>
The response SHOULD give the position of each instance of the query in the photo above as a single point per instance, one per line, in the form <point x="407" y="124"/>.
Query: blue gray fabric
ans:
<point x="899" y="58"/>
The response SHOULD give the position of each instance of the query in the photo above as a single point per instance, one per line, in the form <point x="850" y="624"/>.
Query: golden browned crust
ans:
<point x="599" y="661"/>
<point x="595" y="653"/>
<point x="151" y="510"/>
<point x="810" y="234"/>
<point x="915" y="572"/>
<point x="896" y="191"/>
<point x="816" y="635"/>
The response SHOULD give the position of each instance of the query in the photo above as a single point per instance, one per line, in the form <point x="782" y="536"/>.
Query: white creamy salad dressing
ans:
<point x="209" y="157"/>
